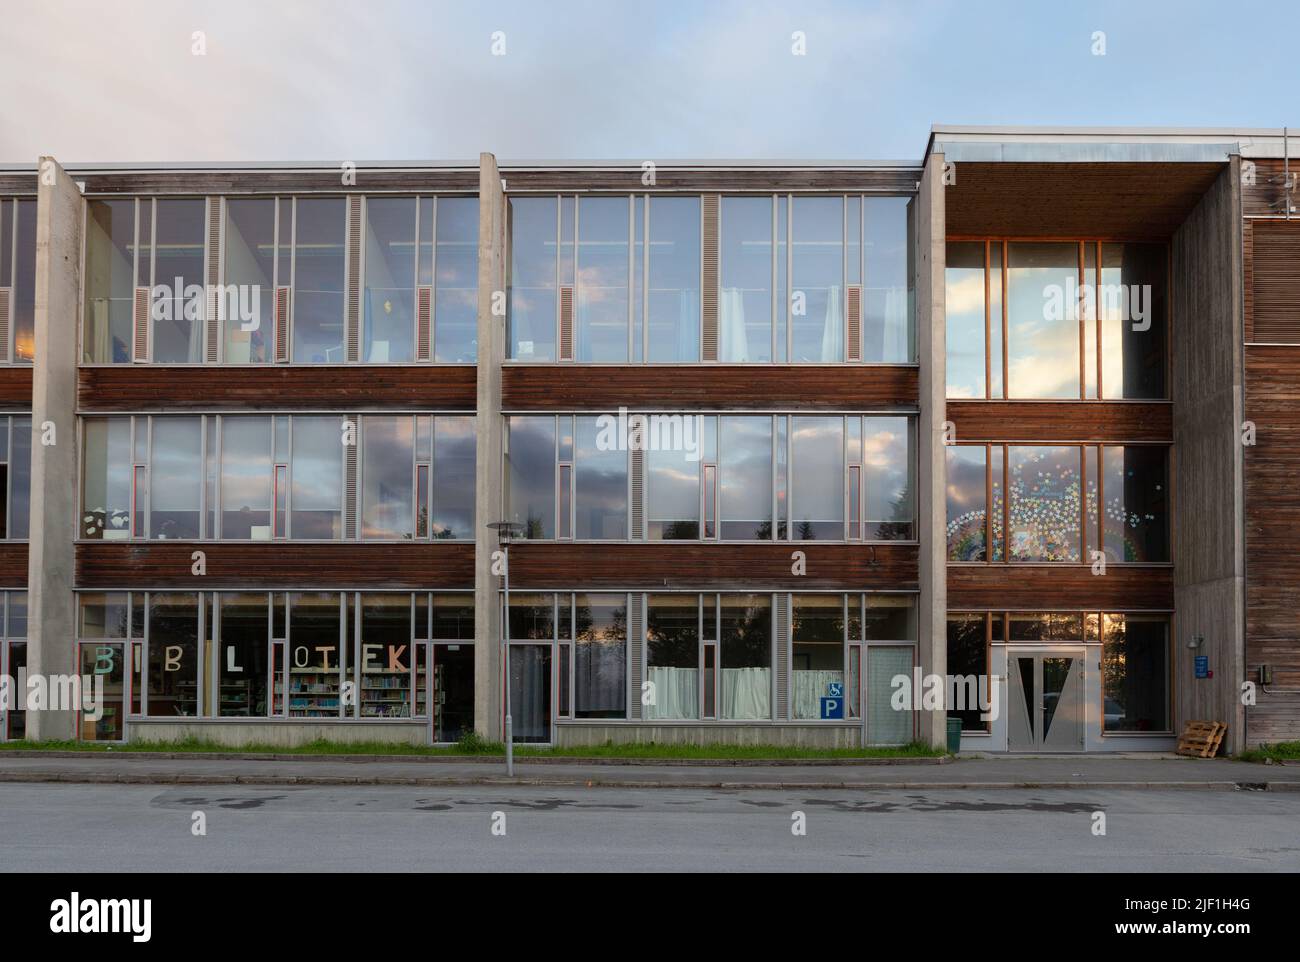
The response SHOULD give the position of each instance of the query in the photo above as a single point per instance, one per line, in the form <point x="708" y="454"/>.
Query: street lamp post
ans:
<point x="506" y="532"/>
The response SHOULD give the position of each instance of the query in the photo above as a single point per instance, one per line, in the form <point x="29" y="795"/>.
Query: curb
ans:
<point x="123" y="778"/>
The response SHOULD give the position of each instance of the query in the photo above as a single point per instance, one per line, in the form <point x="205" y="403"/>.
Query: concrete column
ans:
<point x="488" y="501"/>
<point x="932" y="640"/>
<point x="51" y="623"/>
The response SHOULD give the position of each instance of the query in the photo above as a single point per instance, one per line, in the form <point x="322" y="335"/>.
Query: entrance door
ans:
<point x="1045" y="700"/>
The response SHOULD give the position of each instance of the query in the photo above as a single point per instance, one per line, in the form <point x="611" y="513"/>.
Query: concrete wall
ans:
<point x="811" y="736"/>
<point x="488" y="502"/>
<point x="239" y="732"/>
<point x="932" y="648"/>
<point x="54" y="466"/>
<point x="1209" y="583"/>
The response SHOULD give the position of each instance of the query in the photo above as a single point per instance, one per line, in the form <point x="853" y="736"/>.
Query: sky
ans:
<point x="359" y="80"/>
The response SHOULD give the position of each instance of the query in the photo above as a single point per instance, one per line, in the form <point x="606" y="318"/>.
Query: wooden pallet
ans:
<point x="1201" y="739"/>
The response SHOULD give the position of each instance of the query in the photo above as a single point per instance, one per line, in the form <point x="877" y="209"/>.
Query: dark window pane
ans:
<point x="1135" y="674"/>
<point x="173" y="654"/>
<point x="530" y="478"/>
<point x="453" y="477"/>
<point x="177" y="301"/>
<point x="817" y="655"/>
<point x="315" y="655"/>
<point x="600" y="493"/>
<point x="1046" y="523"/>
<point x="387" y="489"/>
<point x="1136" y="485"/>
<point x="1133" y="305"/>
<point x="967" y="498"/>
<point x="746" y="643"/>
<point x="967" y="656"/>
<point x="242" y="657"/>
<point x="600" y="656"/>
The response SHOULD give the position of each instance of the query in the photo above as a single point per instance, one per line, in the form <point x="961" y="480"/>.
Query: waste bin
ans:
<point x="954" y="735"/>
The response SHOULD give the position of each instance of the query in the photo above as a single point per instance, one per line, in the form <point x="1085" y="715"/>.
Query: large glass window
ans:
<point x="602" y="273"/>
<point x="600" y="489"/>
<point x="673" y="656"/>
<point x="887" y="457"/>
<point x="109" y="281"/>
<point x="454" y="448"/>
<point x="887" y="302"/>
<point x="1045" y="490"/>
<point x="173" y="670"/>
<point x="250" y="271"/>
<point x="1043" y="321"/>
<point x="455" y="279"/>
<point x="384" y="664"/>
<point x="177" y="303"/>
<point x="968" y="656"/>
<point x="533" y="308"/>
<point x="817" y="466"/>
<point x="320" y="229"/>
<point x="672" y="495"/>
<point x="600" y="656"/>
<point x="746" y="272"/>
<point x="388" y="309"/>
<point x="176" y="471"/>
<point x="241" y="670"/>
<point x="1136" y="490"/>
<point x="964" y="307"/>
<point x="673" y="287"/>
<point x="316" y="478"/>
<point x="967" y="500"/>
<point x="817" y="279"/>
<point x="106" y="478"/>
<point x="745" y="640"/>
<point x="1133" y="309"/>
<point x="745" y="478"/>
<point x="18" y="272"/>
<point x="387" y="492"/>
<point x="1135" y="673"/>
<point x="817" y="656"/>
<point x="317" y="659"/>
<point x="246" y="478"/>
<point x="530" y="475"/>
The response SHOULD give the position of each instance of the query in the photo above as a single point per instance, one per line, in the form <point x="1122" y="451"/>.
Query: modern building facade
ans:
<point x="775" y="438"/>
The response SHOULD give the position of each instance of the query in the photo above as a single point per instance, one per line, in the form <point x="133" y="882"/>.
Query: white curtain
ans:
<point x="733" y="345"/>
<point x="833" y="332"/>
<point x="746" y="693"/>
<point x="677" y="693"/>
<point x="809" y="689"/>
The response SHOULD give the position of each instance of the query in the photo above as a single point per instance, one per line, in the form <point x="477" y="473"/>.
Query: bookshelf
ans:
<point x="313" y="693"/>
<point x="386" y="694"/>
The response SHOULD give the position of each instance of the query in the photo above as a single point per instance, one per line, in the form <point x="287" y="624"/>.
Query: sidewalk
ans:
<point x="990" y="772"/>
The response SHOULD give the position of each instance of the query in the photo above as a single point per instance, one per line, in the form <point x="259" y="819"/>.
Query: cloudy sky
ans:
<point x="388" y="79"/>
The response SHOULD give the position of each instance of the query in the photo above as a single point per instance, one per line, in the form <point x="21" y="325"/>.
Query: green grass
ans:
<point x="474" y="745"/>
<point x="1277" y="752"/>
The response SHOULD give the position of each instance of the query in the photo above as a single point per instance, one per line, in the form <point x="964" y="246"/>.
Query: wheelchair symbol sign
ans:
<point x="835" y="689"/>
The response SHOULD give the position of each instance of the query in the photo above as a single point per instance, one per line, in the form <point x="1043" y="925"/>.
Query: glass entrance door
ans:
<point x="1045" y="700"/>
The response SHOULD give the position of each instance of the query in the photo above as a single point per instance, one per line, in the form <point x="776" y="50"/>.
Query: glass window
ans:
<point x="746" y="649"/>
<point x="964" y="320"/>
<point x="176" y="472"/>
<point x="384" y="668"/>
<point x="530" y="475"/>
<point x="533" y="259"/>
<point x="745" y="307"/>
<point x="106" y="478"/>
<point x="600" y="656"/>
<point x="1135" y="673"/>
<point x="456" y="281"/>
<point x="389" y="304"/>
<point x="887" y="456"/>
<point x="1136" y="486"/>
<point x="532" y="616"/>
<point x="673" y="296"/>
<point x="968" y="656"/>
<point x="672" y="495"/>
<point x="246" y="478"/>
<point x="109" y="281"/>
<point x="817" y="279"/>
<point x="106" y="662"/>
<point x="890" y="618"/>
<point x="530" y="692"/>
<point x="453" y="617"/>
<point x="1043" y="320"/>
<point x="745" y="478"/>
<point x="673" y="656"/>
<point x="887" y="289"/>
<point x="454" y="447"/>
<point x="602" y="272"/>
<point x="387" y="484"/>
<point x="316" y="473"/>
<point x="967" y="499"/>
<point x="817" y="654"/>
<point x="817" y="467"/>
<point x="103" y="614"/>
<point x="885" y="724"/>
<point x="179" y="258"/>
<point x="1133" y="303"/>
<point x="240" y="688"/>
<point x="316" y="657"/>
<point x="18" y="247"/>
<point x="250" y="273"/>
<point x="173" y="654"/>
<point x="318" y="277"/>
<point x="600" y="490"/>
<point x="1045" y="523"/>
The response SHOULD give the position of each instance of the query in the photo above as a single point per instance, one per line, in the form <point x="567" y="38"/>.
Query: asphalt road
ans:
<point x="80" y="828"/>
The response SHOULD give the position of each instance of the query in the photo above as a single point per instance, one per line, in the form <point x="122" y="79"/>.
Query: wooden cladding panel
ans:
<point x="759" y="566"/>
<point x="423" y="322"/>
<point x="566" y="322"/>
<point x="1033" y="587"/>
<point x="287" y="564"/>
<point x="140" y="325"/>
<point x="1275" y="282"/>
<point x="16" y="387"/>
<point x="1136" y="201"/>
<point x="1062" y="421"/>
<point x="6" y="299"/>
<point x="1272" y="499"/>
<point x="13" y="564"/>
<point x="1267" y="196"/>
<point x="853" y="322"/>
<point x="266" y="388"/>
<point x="592" y="387"/>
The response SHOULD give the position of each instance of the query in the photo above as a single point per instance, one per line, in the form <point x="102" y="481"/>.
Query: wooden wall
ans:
<point x="1050" y="421"/>
<point x="1007" y="587"/>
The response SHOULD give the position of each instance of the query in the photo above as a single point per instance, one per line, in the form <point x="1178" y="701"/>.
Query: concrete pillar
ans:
<point x="50" y="609"/>
<point x="932" y="640"/>
<point x="488" y="500"/>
